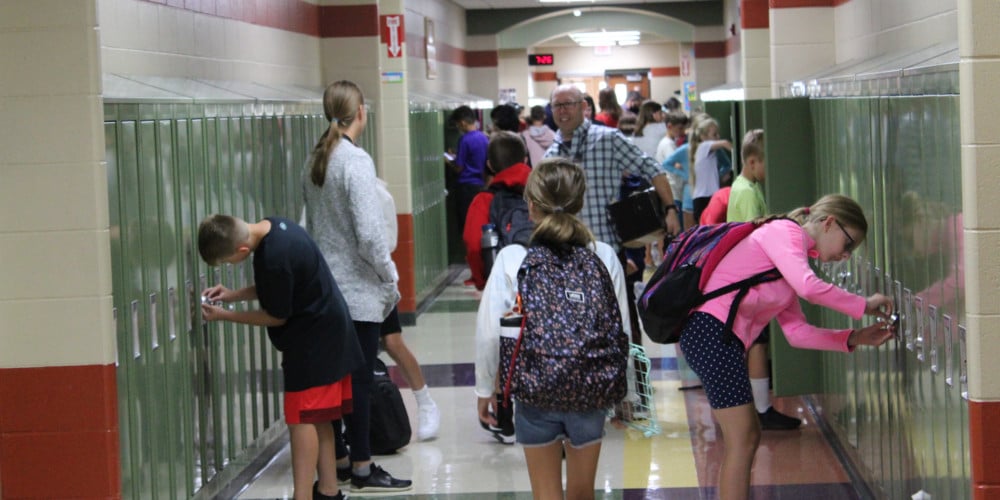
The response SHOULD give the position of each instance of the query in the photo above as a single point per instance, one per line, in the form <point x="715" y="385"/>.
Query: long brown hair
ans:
<point x="555" y="188"/>
<point x="341" y="102"/>
<point x="608" y="102"/>
<point x="647" y="115"/>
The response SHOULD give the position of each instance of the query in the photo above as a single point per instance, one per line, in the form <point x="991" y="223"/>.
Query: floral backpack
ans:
<point x="572" y="352"/>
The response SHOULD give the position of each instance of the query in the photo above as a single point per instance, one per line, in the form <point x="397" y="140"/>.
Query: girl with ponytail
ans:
<point x="828" y="230"/>
<point x="554" y="192"/>
<point x="344" y="216"/>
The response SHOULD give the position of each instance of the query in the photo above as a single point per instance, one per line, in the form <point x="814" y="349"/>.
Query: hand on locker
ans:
<point x="879" y="305"/>
<point x="874" y="335"/>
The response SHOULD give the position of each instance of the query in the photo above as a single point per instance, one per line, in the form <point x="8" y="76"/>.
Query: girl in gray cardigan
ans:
<point x="345" y="218"/>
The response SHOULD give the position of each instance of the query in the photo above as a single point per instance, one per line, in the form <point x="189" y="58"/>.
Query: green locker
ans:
<point x="790" y="183"/>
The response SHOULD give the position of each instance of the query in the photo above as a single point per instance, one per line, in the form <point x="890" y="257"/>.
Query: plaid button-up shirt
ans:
<point x="605" y="155"/>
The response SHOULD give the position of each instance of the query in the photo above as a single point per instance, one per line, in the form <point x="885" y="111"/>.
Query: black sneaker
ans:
<point x="344" y="475"/>
<point x="503" y="436"/>
<point x="377" y="482"/>
<point x="772" y="420"/>
<point x="319" y="496"/>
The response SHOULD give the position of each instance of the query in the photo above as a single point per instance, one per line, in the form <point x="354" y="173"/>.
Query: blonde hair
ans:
<point x="555" y="189"/>
<point x="647" y="115"/>
<point x="753" y="145"/>
<point x="845" y="210"/>
<point x="341" y="102"/>
<point x="700" y="128"/>
<point x="219" y="236"/>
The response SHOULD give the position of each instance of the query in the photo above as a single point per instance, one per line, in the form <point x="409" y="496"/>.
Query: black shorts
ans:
<point x="390" y="324"/>
<point x="719" y="360"/>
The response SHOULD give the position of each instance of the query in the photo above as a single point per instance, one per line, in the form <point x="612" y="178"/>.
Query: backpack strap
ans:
<point x="744" y="287"/>
<point x="513" y="357"/>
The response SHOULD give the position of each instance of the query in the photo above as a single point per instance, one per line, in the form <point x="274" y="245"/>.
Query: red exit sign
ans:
<point x="540" y="60"/>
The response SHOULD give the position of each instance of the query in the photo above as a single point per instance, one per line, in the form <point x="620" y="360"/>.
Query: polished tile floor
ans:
<point x="679" y="463"/>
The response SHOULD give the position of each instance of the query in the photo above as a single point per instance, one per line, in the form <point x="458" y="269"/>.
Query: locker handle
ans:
<point x="114" y="320"/>
<point x="948" y="368"/>
<point x="932" y="314"/>
<point x="172" y="313"/>
<point x="918" y="341"/>
<point x="136" y="351"/>
<point x="963" y="377"/>
<point x="153" y="332"/>
<point x="189" y="312"/>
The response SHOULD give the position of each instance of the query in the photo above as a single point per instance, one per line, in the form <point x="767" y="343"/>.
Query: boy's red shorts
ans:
<point x="319" y="404"/>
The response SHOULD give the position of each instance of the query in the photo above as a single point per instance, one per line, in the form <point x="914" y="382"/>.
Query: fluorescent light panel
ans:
<point x="597" y="38"/>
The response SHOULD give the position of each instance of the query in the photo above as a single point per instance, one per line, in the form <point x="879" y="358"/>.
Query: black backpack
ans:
<point x="390" y="424"/>
<point x="509" y="214"/>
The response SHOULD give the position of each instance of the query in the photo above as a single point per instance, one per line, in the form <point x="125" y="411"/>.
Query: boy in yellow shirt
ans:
<point x="746" y="203"/>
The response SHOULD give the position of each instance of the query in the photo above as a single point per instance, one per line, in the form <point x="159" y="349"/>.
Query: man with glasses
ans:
<point x="606" y="156"/>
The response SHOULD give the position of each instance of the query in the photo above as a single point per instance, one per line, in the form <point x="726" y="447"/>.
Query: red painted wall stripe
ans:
<point x="666" y="71"/>
<point x="348" y="20"/>
<point x="296" y="16"/>
<point x="59" y="418"/>
<point x="984" y="446"/>
<point x="544" y="76"/>
<point x="482" y="58"/>
<point x="404" y="259"/>
<point x="709" y="49"/>
<point x="754" y="14"/>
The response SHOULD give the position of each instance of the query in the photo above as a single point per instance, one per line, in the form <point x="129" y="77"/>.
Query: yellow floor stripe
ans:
<point x="666" y="460"/>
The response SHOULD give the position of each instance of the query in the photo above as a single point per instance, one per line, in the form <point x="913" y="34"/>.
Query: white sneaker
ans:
<point x="428" y="422"/>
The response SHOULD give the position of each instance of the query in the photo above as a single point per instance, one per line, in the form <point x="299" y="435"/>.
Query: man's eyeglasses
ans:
<point x="565" y="105"/>
<point x="850" y="240"/>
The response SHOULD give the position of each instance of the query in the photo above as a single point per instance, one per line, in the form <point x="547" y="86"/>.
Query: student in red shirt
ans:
<point x="718" y="205"/>
<point x="505" y="158"/>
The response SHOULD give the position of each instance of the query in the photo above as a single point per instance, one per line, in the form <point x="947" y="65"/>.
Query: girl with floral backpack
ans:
<point x="571" y="353"/>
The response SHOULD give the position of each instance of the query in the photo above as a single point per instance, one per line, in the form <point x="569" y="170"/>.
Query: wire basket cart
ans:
<point x="638" y="410"/>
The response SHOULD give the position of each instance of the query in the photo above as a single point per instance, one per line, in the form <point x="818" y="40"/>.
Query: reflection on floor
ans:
<point x="680" y="463"/>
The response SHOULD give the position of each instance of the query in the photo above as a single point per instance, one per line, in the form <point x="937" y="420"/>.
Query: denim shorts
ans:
<point x="537" y="427"/>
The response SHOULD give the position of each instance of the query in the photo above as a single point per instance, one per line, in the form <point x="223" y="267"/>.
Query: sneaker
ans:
<point x="344" y="475"/>
<point x="319" y="496"/>
<point x="469" y="282"/>
<point x="428" y="422"/>
<point x="502" y="435"/>
<point x="378" y="481"/>
<point x="772" y="420"/>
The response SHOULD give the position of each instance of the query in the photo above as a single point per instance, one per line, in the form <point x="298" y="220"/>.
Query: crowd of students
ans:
<point x="327" y="289"/>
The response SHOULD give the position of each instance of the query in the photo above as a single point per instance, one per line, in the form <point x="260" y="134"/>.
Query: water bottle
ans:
<point x="489" y="245"/>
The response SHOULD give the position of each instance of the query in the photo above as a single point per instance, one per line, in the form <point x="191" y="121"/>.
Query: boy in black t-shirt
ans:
<point x="306" y="319"/>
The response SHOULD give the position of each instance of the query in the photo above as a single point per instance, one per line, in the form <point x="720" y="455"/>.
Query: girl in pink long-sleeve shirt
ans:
<point x="829" y="230"/>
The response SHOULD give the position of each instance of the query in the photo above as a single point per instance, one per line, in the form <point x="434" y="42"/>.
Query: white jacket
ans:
<point x="499" y="297"/>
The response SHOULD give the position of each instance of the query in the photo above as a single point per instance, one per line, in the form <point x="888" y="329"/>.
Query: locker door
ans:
<point x="155" y="409"/>
<point x="181" y="334"/>
<point x="790" y="183"/>
<point x="133" y="315"/>
<point x="120" y="286"/>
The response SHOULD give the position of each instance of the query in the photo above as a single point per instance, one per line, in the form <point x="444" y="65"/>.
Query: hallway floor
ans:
<point x="681" y="462"/>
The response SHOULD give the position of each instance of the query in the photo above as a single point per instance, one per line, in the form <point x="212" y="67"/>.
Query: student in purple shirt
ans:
<point x="469" y="163"/>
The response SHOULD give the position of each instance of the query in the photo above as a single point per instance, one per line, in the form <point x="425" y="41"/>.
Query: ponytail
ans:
<point x="341" y="101"/>
<point x="321" y="154"/>
<point x="555" y="190"/>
